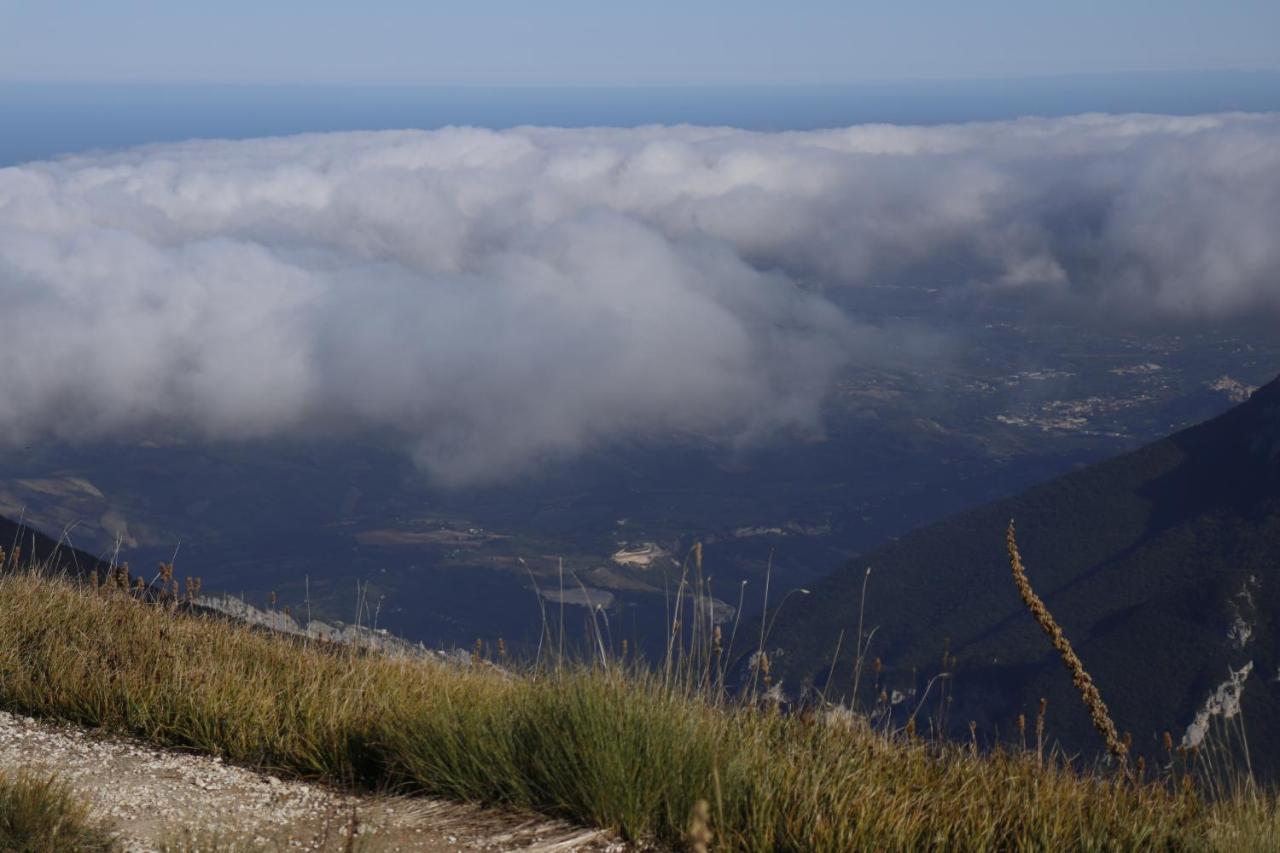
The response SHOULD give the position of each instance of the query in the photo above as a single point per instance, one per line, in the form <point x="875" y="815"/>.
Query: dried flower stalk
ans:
<point x="1088" y="692"/>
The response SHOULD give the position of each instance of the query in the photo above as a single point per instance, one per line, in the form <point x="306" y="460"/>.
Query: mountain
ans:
<point x="1161" y="565"/>
<point x="23" y="545"/>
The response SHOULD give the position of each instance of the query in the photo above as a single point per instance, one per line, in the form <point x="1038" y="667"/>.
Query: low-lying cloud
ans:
<point x="498" y="298"/>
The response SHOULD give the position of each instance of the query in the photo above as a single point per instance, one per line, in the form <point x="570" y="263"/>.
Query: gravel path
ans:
<point x="167" y="800"/>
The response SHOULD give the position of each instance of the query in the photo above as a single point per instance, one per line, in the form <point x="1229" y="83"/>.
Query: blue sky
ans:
<point x="658" y="42"/>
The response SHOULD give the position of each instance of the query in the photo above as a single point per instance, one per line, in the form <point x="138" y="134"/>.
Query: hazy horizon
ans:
<point x="46" y="119"/>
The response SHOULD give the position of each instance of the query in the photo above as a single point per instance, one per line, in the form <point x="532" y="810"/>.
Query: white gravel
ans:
<point x="162" y="799"/>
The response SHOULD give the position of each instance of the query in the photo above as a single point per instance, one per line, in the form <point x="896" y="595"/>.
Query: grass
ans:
<point x="39" y="815"/>
<point x="603" y="744"/>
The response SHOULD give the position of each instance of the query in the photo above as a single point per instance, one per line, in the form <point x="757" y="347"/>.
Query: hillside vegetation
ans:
<point x="1160" y="565"/>
<point x="662" y="756"/>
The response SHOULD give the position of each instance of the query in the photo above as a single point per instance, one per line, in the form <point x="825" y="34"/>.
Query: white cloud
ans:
<point x="501" y="297"/>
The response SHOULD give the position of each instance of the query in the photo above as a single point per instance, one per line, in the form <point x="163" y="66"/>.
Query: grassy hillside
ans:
<point x="607" y="744"/>
<point x="1148" y="560"/>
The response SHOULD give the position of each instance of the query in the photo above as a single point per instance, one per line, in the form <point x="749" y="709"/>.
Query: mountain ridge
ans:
<point x="36" y="548"/>
<point x="1161" y="565"/>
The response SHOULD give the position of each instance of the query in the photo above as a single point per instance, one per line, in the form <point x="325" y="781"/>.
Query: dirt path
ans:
<point x="165" y="800"/>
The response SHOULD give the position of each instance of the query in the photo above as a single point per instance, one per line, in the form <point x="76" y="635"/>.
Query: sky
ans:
<point x="658" y="42"/>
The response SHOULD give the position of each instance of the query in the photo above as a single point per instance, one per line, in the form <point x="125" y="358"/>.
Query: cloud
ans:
<point x="500" y="298"/>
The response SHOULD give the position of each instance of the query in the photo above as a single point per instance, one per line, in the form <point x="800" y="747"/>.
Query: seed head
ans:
<point x="1083" y="683"/>
<point x="700" y="837"/>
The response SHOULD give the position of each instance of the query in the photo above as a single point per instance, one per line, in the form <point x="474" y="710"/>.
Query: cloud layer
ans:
<point x="498" y="298"/>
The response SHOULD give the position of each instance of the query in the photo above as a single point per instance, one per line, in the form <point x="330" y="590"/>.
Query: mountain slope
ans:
<point x="35" y="548"/>
<point x="1162" y="565"/>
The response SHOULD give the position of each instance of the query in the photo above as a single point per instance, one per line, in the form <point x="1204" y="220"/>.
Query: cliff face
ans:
<point x="1162" y="565"/>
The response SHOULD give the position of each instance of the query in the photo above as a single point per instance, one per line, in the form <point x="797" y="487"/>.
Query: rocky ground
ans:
<point x="163" y="800"/>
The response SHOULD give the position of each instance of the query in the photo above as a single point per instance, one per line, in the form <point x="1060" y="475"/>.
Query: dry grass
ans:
<point x="613" y="747"/>
<point x="39" y="815"/>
